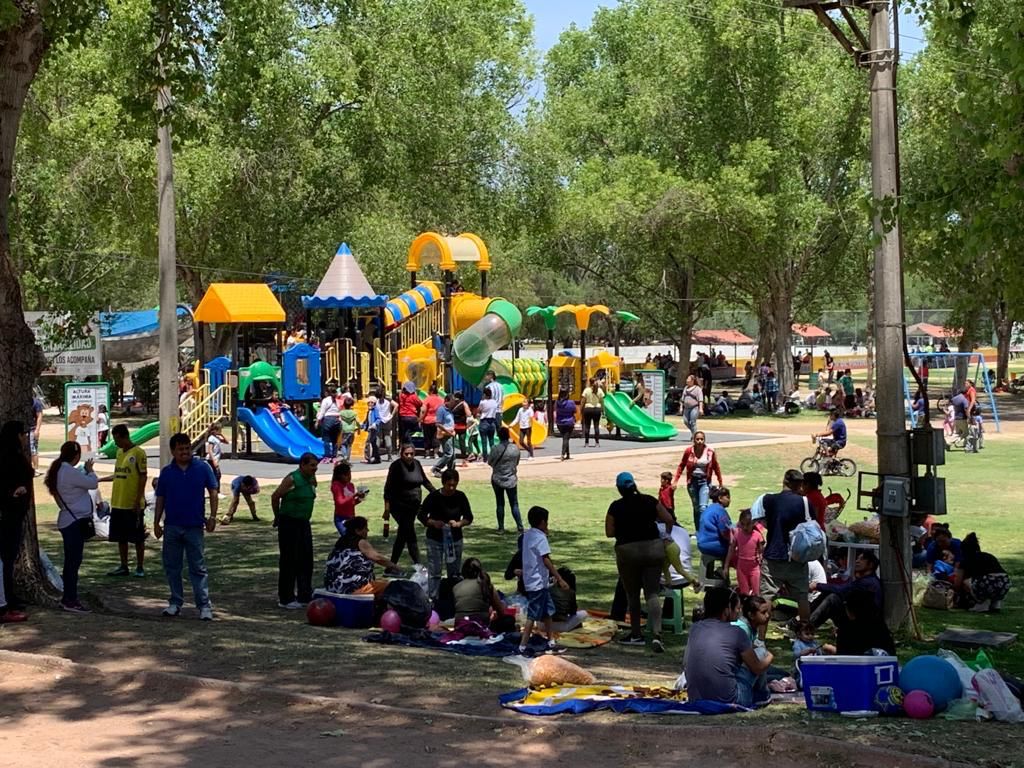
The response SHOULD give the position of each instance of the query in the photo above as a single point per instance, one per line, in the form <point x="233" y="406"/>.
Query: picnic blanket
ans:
<point x="617" y="698"/>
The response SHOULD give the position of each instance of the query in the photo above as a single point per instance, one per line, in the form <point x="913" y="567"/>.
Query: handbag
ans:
<point x="938" y="595"/>
<point x="86" y="527"/>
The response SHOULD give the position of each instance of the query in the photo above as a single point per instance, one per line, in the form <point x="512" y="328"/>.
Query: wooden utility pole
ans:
<point x="168" y="318"/>
<point x="876" y="53"/>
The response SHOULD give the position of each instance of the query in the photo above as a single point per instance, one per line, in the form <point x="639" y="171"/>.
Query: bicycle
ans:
<point x="828" y="465"/>
<point x="970" y="441"/>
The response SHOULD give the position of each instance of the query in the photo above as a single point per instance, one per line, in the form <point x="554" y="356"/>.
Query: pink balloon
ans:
<point x="918" y="705"/>
<point x="434" y="619"/>
<point x="391" y="621"/>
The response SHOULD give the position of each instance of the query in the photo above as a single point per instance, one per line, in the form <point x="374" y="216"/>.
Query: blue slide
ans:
<point x="291" y="441"/>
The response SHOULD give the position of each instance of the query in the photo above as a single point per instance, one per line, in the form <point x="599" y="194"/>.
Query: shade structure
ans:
<point x="808" y="331"/>
<point x="930" y="329"/>
<point x="721" y="337"/>
<point x="239" y="303"/>
<point x="344" y="286"/>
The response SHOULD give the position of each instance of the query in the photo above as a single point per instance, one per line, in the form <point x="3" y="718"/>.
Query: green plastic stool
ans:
<point x="675" y="623"/>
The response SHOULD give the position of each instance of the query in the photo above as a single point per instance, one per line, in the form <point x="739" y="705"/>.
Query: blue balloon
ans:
<point x="934" y="675"/>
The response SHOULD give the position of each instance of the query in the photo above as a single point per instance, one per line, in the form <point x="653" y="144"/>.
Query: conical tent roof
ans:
<point x="344" y="286"/>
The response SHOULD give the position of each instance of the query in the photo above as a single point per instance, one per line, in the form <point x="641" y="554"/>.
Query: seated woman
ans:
<point x="981" y="580"/>
<point x="350" y="566"/>
<point x="717" y="650"/>
<point x="475" y="596"/>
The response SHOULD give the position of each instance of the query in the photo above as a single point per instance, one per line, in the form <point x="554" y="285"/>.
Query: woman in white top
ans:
<point x="329" y="420"/>
<point x="386" y="410"/>
<point x="488" y="411"/>
<point x="70" y="488"/>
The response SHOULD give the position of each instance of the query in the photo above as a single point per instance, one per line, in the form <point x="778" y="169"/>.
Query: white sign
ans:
<point x="81" y="406"/>
<point x="77" y="358"/>
<point x="654" y="380"/>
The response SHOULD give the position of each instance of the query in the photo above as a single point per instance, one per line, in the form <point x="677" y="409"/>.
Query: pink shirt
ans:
<point x="748" y="545"/>
<point x="344" y="500"/>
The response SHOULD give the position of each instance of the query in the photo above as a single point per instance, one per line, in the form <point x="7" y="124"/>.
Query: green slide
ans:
<point x="633" y="420"/>
<point x="141" y="435"/>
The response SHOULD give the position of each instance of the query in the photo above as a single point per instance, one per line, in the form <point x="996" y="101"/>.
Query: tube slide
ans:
<point x="635" y="421"/>
<point x="143" y="434"/>
<point x="291" y="441"/>
<point x="471" y="353"/>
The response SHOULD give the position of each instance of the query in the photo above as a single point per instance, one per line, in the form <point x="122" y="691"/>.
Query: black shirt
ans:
<point x="855" y="638"/>
<point x="782" y="513"/>
<point x="635" y="518"/>
<point x="979" y="564"/>
<point x="402" y="488"/>
<point x="437" y="506"/>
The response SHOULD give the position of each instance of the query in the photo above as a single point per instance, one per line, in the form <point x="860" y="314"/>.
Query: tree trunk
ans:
<point x="765" y="333"/>
<point x="1002" y="322"/>
<point x="782" y="323"/>
<point x="22" y="46"/>
<point x="964" y="344"/>
<point x="685" y="283"/>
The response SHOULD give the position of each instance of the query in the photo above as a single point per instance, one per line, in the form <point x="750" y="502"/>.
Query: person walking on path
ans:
<point x="70" y="488"/>
<point x="292" y="504"/>
<point x="179" y="498"/>
<point x="215" y="450"/>
<point x="445" y="437"/>
<point x="409" y="405"/>
<point x="592" y="400"/>
<point x="639" y="554"/>
<point x="693" y="403"/>
<point x="489" y="410"/>
<point x="428" y="419"/>
<point x="128" y="502"/>
<point x="700" y="463"/>
<point x="16" y="475"/>
<point x="329" y="422"/>
<point x="524" y="418"/>
<point x="445" y="513"/>
<point x="403" y="492"/>
<point x="565" y="419"/>
<point x="504" y="461"/>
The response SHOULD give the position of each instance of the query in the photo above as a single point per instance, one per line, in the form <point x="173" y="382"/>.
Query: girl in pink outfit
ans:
<point x="746" y="549"/>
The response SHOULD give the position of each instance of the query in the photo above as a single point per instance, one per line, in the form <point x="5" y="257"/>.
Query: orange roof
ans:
<point x="239" y="303"/>
<point x="935" y="331"/>
<point x="721" y="337"/>
<point x="808" y="331"/>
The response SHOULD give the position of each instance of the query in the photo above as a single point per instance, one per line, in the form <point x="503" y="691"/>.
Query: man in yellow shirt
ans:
<point x="128" y="501"/>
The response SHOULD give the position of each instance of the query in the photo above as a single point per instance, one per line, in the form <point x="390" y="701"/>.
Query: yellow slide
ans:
<point x="509" y="406"/>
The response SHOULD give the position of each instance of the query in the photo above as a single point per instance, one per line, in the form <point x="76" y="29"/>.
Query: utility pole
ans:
<point x="168" y="379"/>
<point x="877" y="54"/>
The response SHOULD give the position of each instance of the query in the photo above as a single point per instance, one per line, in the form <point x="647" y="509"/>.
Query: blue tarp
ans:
<point x="640" y="705"/>
<point x="132" y="323"/>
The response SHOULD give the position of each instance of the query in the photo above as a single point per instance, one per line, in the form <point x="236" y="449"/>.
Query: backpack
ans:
<point x="807" y="541"/>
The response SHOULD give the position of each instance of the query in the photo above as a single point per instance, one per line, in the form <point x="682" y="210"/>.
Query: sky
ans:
<point x="553" y="16"/>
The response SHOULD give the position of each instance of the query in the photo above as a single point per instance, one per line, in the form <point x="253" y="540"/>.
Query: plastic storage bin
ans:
<point x="352" y="611"/>
<point x="846" y="683"/>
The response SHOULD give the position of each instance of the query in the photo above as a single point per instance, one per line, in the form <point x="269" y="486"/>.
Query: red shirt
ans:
<point x="689" y="463"/>
<point x="667" y="497"/>
<point x="344" y="499"/>
<point x="430" y="406"/>
<point x="409" y="404"/>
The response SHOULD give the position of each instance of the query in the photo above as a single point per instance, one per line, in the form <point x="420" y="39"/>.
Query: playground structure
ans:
<point x="941" y="362"/>
<point x="434" y="334"/>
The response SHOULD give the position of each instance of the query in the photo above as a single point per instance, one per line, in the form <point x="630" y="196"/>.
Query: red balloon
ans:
<point x="321" y="612"/>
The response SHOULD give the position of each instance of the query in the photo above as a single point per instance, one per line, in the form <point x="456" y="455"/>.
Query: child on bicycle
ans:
<point x="832" y="439"/>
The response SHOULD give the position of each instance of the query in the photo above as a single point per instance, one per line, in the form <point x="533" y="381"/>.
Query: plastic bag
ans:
<point x="981" y="661"/>
<point x="996" y="697"/>
<point x="961" y="709"/>
<point x="964" y="672"/>
<point x="419" y="577"/>
<point x="547" y="670"/>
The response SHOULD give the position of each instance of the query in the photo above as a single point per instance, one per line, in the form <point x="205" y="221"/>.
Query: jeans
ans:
<point x="566" y="432"/>
<point x="74" y="548"/>
<point x="751" y="689"/>
<point x="513" y="502"/>
<point x="295" y="563"/>
<point x="435" y="561"/>
<point x="488" y="429"/>
<point x="188" y="542"/>
<point x="345" y="447"/>
<point x="446" y="450"/>
<point x="405" y="536"/>
<point x="329" y="429"/>
<point x="592" y="416"/>
<point x="700" y="497"/>
<point x="690" y="418"/>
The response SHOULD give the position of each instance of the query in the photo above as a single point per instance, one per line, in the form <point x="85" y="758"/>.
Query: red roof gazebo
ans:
<point x="726" y="336"/>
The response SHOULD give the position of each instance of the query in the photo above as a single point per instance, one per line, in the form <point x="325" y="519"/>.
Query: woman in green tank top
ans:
<point x="292" y="503"/>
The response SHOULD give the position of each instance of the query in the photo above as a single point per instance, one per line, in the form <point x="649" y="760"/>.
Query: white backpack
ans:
<point x="807" y="541"/>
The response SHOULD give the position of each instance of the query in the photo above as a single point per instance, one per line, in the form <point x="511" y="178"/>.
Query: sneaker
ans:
<point x="554" y="649"/>
<point x="435" y="472"/>
<point x="140" y="573"/>
<point x="75" y="607"/>
<point x="657" y="646"/>
<point x="632" y="640"/>
<point x="294" y="605"/>
<point x="13" y="617"/>
<point x="121" y="570"/>
<point x="172" y="609"/>
<point x="206" y="613"/>
<point x="995" y="606"/>
<point x="981" y="607"/>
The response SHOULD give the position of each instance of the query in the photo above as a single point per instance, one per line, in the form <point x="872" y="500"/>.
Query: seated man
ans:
<point x="723" y="405"/>
<point x="832" y="603"/>
<point x="833" y="439"/>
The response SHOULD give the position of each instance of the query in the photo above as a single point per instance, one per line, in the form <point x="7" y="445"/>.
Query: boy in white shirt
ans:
<point x="538" y="571"/>
<point x="524" y="418"/>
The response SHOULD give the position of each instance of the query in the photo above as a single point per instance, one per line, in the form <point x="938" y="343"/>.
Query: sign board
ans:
<point x="654" y="380"/>
<point x="82" y="403"/>
<point x="77" y="358"/>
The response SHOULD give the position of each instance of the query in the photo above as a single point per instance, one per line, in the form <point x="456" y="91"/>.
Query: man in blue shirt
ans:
<point x="835" y="436"/>
<point x="782" y="513"/>
<point x="961" y="408"/>
<point x="445" y="436"/>
<point x="179" y="496"/>
<point x="865" y="578"/>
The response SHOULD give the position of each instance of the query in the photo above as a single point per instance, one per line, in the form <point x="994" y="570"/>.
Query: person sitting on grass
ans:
<point x="805" y="645"/>
<point x="476" y="598"/>
<point x="243" y="486"/>
<point x="717" y="649"/>
<point x="538" y="571"/>
<point x="864" y="629"/>
<point x="833" y="604"/>
<point x="349" y="569"/>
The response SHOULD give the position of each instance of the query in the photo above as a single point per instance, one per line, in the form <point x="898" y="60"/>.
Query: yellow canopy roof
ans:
<point x="239" y="303"/>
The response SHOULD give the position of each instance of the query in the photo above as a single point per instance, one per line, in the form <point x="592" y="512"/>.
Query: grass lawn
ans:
<point x="253" y="640"/>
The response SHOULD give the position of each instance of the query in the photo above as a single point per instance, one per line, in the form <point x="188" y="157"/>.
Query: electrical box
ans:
<point x="896" y="496"/>
<point x="929" y="495"/>
<point x="927" y="447"/>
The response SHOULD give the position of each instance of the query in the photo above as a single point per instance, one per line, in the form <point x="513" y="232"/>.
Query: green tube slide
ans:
<point x="635" y="421"/>
<point x="471" y="353"/>
<point x="143" y="434"/>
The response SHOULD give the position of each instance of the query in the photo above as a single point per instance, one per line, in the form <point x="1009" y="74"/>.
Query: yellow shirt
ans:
<point x="593" y="397"/>
<point x="129" y="469"/>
